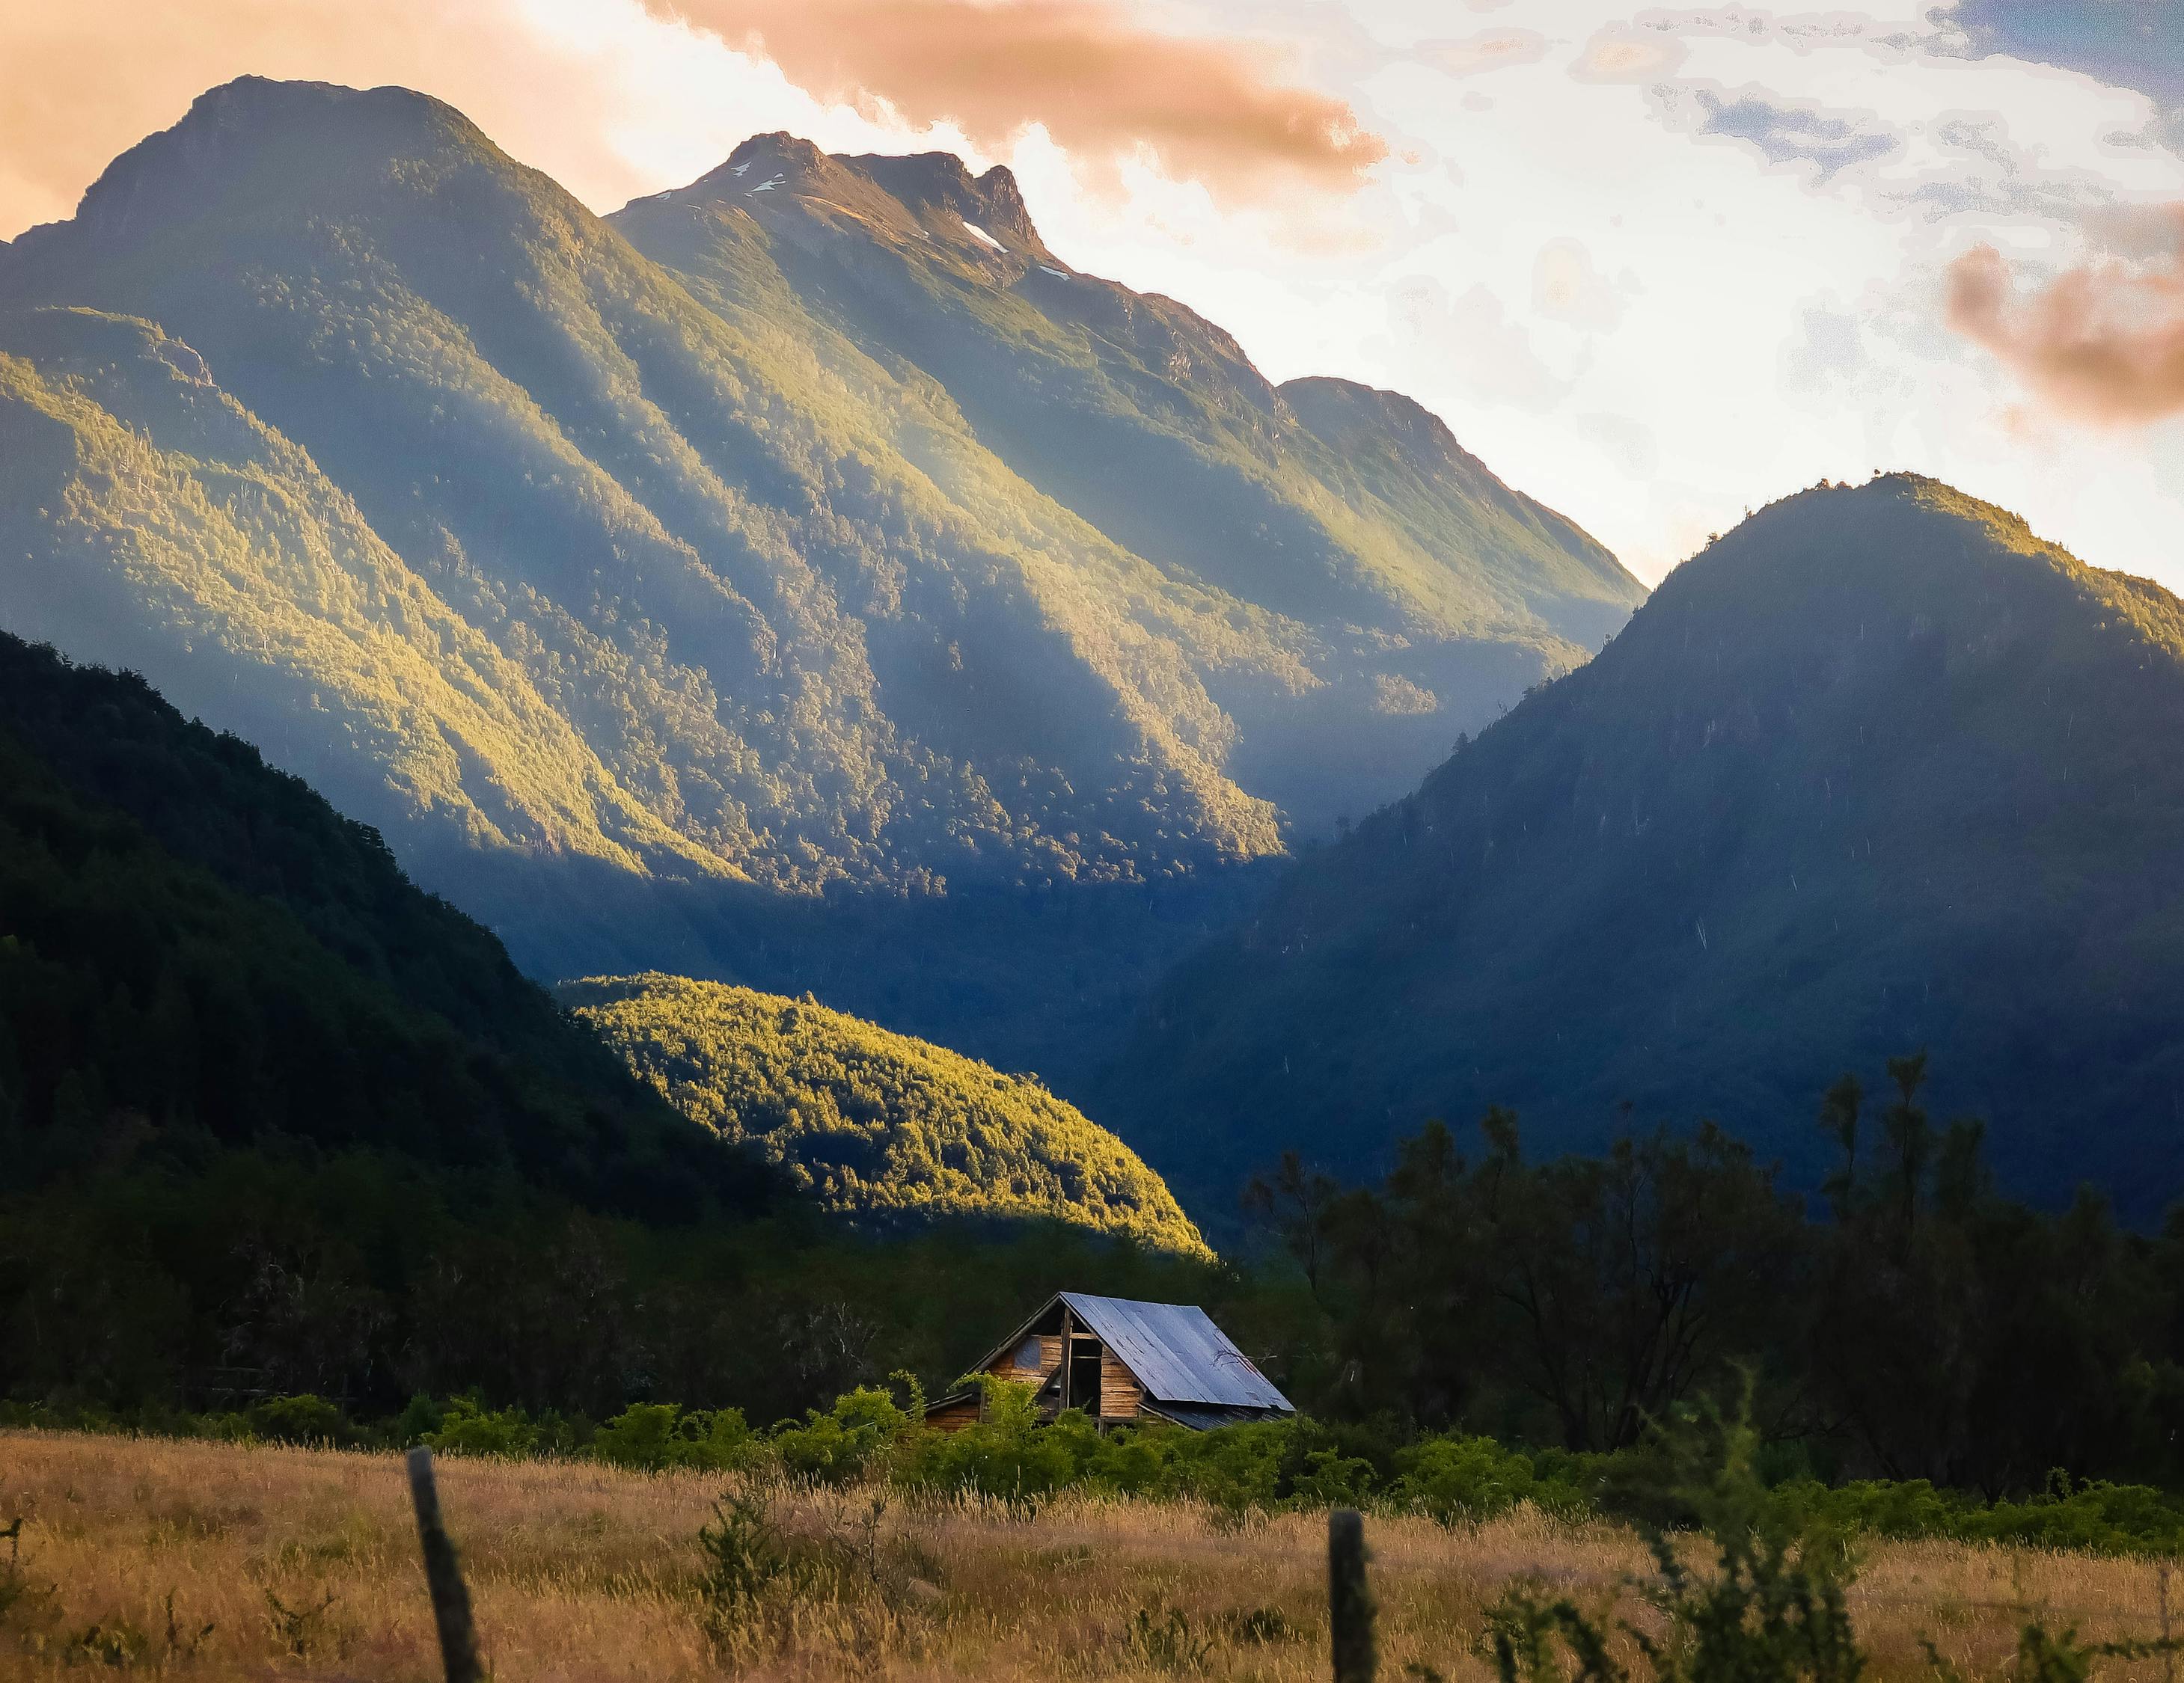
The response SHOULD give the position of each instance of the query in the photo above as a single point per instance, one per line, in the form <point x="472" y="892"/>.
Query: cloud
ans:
<point x="1788" y="134"/>
<point x="2103" y="343"/>
<point x="1981" y="171"/>
<point x="1617" y="54"/>
<point x="572" y="87"/>
<point x="1493" y="50"/>
<point x="83" y="80"/>
<point x="1566" y="287"/>
<point x="1472" y="340"/>
<point x="1630" y="444"/>
<point x="1828" y="350"/>
<point x="1104" y="87"/>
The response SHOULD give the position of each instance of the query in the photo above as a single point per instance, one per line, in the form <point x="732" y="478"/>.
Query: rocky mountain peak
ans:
<point x="928" y="182"/>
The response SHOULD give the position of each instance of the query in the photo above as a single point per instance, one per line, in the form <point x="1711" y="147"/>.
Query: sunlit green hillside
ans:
<point x="1878" y="771"/>
<point x="780" y="641"/>
<point x="664" y="605"/>
<point x="1428" y="590"/>
<point x="877" y="1124"/>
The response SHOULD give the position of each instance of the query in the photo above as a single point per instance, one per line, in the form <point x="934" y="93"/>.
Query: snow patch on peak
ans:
<point x="980" y="235"/>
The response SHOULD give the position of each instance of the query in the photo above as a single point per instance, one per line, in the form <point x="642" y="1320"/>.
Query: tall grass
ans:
<point x="303" y="1563"/>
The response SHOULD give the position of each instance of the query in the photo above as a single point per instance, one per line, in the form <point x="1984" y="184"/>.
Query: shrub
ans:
<point x="467" y="1427"/>
<point x="1164" y="1639"/>
<point x="840" y="1444"/>
<point x="653" y="1436"/>
<point x="1006" y="1454"/>
<point x="1773" y="1609"/>
<point x="754" y="1570"/>
<point x="1456" y="1478"/>
<point x="303" y="1419"/>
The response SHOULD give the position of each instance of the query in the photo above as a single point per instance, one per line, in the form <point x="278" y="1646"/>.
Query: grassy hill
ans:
<point x="195" y="952"/>
<point x="1878" y="771"/>
<point x="627" y="566"/>
<point x="877" y="1126"/>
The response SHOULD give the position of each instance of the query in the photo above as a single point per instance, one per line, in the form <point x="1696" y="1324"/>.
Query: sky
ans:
<point x="1655" y="265"/>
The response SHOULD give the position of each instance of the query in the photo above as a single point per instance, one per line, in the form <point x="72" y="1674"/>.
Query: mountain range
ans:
<point x="808" y="580"/>
<point x="809" y="539"/>
<point x="1878" y="772"/>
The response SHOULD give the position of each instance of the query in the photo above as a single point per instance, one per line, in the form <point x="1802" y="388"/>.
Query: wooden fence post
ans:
<point x="1348" y="1598"/>
<point x="451" y="1599"/>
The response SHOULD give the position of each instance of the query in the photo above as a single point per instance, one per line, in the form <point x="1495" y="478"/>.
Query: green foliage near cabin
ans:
<point x="874" y="1124"/>
<point x="1877" y="771"/>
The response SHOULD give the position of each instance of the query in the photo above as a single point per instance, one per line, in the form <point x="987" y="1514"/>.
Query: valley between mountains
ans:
<point x="721" y="583"/>
<point x="889" y="661"/>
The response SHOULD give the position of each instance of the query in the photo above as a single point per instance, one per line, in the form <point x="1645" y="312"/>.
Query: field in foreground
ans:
<point x="304" y="1564"/>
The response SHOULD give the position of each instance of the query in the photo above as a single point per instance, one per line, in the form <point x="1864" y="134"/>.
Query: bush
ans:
<point x="1456" y="1478"/>
<point x="1006" y="1454"/>
<point x="839" y="1446"/>
<point x="1773" y="1610"/>
<point x="467" y="1427"/>
<point x="2095" y="1518"/>
<point x="303" y="1419"/>
<point x="653" y="1436"/>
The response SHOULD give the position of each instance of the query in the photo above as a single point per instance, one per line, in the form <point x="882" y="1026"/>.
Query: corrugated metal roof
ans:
<point x="1203" y="1416"/>
<point x="1177" y="1353"/>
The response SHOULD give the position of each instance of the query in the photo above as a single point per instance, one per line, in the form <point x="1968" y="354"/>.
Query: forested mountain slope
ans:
<point x="1430" y="591"/>
<point x="877" y="1127"/>
<point x="1879" y="770"/>
<point x="578" y="575"/>
<point x="273" y="1119"/>
<point x="197" y="951"/>
<point x="503" y="448"/>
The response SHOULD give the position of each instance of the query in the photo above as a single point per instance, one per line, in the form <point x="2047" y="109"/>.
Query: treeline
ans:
<point x="1910" y="1323"/>
<point x="188" y="1276"/>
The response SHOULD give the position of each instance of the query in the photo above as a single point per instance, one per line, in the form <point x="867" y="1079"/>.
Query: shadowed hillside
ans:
<point x="196" y="950"/>
<point x="876" y="1124"/>
<point x="1879" y="770"/>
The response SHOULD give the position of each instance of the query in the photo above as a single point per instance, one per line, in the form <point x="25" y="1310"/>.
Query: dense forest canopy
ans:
<point x="1435" y="591"/>
<point x="195" y="948"/>
<point x="1879" y="770"/>
<point x="277" y="1119"/>
<point x="1909" y="1320"/>
<point x="877" y="1127"/>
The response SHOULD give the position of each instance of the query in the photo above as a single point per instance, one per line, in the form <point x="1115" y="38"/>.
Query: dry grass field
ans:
<point x="304" y="1563"/>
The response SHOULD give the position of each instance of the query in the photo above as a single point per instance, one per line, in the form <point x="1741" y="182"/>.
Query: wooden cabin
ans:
<point x="1123" y="1362"/>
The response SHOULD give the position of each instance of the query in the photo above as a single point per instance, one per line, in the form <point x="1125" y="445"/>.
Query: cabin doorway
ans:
<point x="1084" y="1375"/>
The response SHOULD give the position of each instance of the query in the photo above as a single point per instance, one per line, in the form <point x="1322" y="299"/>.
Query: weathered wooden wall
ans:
<point x="1050" y="1358"/>
<point x="1120" y="1396"/>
